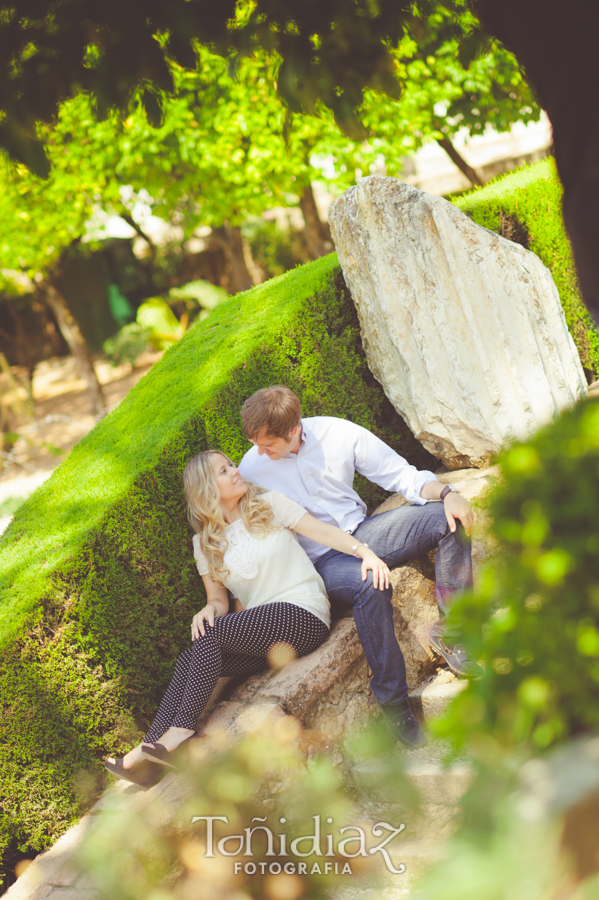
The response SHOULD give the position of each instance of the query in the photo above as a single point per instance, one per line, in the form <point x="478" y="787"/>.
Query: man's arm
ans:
<point x="382" y="465"/>
<point x="379" y="463"/>
<point x="456" y="506"/>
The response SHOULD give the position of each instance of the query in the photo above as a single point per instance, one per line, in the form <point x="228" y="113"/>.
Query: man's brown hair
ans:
<point x="275" y="408"/>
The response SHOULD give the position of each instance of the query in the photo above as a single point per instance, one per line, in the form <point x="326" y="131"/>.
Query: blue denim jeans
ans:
<point x="396" y="537"/>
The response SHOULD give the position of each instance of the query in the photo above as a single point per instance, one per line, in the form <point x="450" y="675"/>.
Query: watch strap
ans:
<point x="447" y="490"/>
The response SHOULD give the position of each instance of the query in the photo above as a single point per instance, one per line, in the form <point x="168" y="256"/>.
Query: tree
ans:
<point x="453" y="82"/>
<point x="554" y="42"/>
<point x="332" y="51"/>
<point x="39" y="221"/>
<point x="441" y="96"/>
<point x="227" y="147"/>
<point x="51" y="50"/>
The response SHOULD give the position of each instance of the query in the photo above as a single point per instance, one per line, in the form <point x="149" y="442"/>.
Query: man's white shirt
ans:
<point x="320" y="475"/>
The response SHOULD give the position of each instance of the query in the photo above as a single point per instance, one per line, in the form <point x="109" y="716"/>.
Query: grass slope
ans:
<point x="532" y="197"/>
<point x="97" y="578"/>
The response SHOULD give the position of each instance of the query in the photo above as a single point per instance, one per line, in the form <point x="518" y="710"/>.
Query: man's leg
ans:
<point x="401" y="534"/>
<point x="373" y="612"/>
<point x="396" y="537"/>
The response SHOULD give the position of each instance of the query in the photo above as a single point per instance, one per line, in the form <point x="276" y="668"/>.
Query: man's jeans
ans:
<point x="396" y="537"/>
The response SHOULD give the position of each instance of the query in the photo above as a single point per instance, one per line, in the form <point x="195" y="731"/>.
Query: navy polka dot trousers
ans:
<point x="237" y="643"/>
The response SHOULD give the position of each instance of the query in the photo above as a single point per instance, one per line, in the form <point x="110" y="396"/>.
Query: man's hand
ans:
<point x="380" y="570"/>
<point x="457" y="507"/>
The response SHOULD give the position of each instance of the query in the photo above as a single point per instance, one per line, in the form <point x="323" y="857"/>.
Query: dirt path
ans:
<point x="61" y="417"/>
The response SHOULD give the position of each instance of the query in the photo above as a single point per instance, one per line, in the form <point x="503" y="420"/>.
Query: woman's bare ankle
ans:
<point x="130" y="759"/>
<point x="175" y="736"/>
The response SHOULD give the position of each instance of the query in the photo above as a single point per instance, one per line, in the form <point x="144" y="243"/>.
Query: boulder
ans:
<point x="463" y="329"/>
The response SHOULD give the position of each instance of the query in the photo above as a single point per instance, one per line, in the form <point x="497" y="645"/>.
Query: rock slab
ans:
<point x="463" y="329"/>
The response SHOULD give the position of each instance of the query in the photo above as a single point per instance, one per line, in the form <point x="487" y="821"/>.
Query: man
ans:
<point x="313" y="461"/>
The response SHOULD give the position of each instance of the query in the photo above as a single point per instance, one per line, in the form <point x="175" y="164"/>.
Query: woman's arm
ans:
<point x="333" y="537"/>
<point x="217" y="605"/>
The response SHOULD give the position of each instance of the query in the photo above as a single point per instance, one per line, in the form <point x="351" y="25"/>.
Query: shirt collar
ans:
<point x="303" y="439"/>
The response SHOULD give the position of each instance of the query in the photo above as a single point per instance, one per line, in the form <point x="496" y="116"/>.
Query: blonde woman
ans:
<point x="244" y="541"/>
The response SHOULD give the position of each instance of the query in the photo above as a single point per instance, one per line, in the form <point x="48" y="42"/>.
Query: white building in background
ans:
<point x="489" y="154"/>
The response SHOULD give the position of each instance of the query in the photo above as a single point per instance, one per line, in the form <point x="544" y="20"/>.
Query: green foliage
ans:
<point x="331" y="53"/>
<point x="160" y="323"/>
<point x="534" y="617"/>
<point x="531" y="197"/>
<point x="127" y="344"/>
<point x="227" y="148"/>
<point x="201" y="293"/>
<point x="274" y="249"/>
<point x="472" y="80"/>
<point x="97" y="574"/>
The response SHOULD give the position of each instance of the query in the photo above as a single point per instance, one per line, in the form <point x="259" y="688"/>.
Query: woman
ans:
<point x="243" y="542"/>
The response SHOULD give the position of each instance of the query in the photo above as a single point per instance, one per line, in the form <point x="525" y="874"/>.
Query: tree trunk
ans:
<point x="231" y="242"/>
<point x="556" y="45"/>
<point x="128" y="218"/>
<point x="77" y="344"/>
<point x="460" y="162"/>
<point x="317" y="232"/>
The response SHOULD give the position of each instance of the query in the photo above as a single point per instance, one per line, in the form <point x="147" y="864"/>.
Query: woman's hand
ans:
<point x="197" y="623"/>
<point x="380" y="570"/>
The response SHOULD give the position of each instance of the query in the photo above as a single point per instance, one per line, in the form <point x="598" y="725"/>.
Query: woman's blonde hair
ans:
<point x="205" y="513"/>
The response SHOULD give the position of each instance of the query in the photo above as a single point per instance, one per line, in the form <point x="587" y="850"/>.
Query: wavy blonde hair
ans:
<point x="206" y="516"/>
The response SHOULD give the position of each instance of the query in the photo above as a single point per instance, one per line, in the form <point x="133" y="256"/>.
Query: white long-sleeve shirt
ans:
<point x="320" y="475"/>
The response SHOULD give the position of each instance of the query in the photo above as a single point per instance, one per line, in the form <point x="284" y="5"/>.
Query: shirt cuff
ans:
<point x="413" y="494"/>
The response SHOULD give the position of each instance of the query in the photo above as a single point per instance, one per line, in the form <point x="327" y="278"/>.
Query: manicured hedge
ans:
<point x="97" y="577"/>
<point x="526" y="206"/>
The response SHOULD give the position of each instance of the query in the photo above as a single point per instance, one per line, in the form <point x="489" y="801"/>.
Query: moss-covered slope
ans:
<point x="97" y="578"/>
<point x="526" y="206"/>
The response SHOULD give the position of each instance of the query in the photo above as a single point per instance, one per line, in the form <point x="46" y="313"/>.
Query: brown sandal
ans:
<point x="159" y="755"/>
<point x="144" y="773"/>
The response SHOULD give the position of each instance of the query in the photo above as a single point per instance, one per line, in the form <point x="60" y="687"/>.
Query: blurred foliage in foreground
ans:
<point x="275" y="820"/>
<point x="534" y="617"/>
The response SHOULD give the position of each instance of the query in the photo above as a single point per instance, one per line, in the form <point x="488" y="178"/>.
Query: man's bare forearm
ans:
<point x="432" y="490"/>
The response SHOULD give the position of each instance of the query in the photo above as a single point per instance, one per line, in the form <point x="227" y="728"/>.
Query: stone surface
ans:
<point x="431" y="699"/>
<point x="463" y="329"/>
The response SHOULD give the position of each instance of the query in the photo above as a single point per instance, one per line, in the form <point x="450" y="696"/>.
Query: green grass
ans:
<point x="98" y="582"/>
<point x="533" y="196"/>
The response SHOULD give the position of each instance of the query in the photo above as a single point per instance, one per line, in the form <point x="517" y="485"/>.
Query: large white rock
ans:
<point x="463" y="329"/>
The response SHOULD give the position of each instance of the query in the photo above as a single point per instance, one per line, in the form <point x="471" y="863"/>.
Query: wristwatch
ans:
<point x="449" y="488"/>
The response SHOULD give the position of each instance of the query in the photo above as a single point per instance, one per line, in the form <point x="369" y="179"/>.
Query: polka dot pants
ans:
<point x="237" y="643"/>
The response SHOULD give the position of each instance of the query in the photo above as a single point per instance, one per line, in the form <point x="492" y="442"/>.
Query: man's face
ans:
<point x="276" y="447"/>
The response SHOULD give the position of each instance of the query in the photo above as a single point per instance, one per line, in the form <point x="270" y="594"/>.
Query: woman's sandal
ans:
<point x="158" y="753"/>
<point x="144" y="773"/>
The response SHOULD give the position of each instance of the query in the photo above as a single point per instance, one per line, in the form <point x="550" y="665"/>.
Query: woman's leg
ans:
<point x="237" y="643"/>
<point x="171" y="700"/>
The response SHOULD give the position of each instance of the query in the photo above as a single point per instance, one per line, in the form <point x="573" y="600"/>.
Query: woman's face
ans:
<point x="231" y="485"/>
